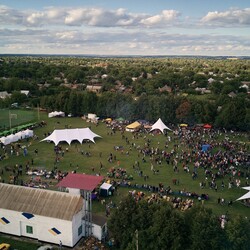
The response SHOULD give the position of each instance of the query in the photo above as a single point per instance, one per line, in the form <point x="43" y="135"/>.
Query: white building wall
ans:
<point x="14" y="226"/>
<point x="44" y="224"/>
<point x="76" y="223"/>
<point x="97" y="231"/>
<point x="40" y="226"/>
<point x="74" y="191"/>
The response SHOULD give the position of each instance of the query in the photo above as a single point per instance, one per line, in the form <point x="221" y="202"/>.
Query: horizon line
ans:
<point x="131" y="55"/>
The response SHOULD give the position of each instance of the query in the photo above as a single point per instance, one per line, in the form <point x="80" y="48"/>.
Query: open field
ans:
<point x="77" y="160"/>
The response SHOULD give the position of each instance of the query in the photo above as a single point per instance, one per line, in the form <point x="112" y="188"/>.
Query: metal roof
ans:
<point x="99" y="220"/>
<point x="80" y="181"/>
<point x="41" y="202"/>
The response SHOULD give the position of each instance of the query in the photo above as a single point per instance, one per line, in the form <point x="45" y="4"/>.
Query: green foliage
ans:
<point x="205" y="230"/>
<point x="233" y="115"/>
<point x="50" y="81"/>
<point x="160" y="226"/>
<point x="238" y="233"/>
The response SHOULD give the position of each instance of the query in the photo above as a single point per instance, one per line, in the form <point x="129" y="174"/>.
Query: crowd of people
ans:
<point x="224" y="164"/>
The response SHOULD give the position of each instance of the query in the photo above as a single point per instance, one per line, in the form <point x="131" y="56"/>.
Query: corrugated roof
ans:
<point x="98" y="219"/>
<point x="80" y="181"/>
<point x="40" y="201"/>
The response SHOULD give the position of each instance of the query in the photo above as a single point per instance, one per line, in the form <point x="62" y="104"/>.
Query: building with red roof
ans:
<point x="80" y="181"/>
<point x="85" y="184"/>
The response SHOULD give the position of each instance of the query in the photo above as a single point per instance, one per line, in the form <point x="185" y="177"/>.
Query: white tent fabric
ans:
<point x="159" y="125"/>
<point x="70" y="135"/>
<point x="245" y="196"/>
<point x="56" y="113"/>
<point x="16" y="137"/>
<point x="28" y="133"/>
<point x="105" y="186"/>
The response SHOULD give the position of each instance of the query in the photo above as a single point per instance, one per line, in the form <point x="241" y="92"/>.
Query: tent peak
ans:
<point x="159" y="125"/>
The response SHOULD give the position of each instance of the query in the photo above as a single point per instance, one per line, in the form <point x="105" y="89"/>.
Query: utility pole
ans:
<point x="38" y="112"/>
<point x="10" y="119"/>
<point x="137" y="239"/>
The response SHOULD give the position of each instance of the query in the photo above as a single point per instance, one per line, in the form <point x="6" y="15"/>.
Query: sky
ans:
<point x="125" y="27"/>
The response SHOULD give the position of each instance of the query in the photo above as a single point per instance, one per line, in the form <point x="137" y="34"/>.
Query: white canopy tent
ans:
<point x="56" y="113"/>
<point x="24" y="134"/>
<point x="105" y="189"/>
<point x="69" y="135"/>
<point x="16" y="137"/>
<point x="159" y="125"/>
<point x="245" y="196"/>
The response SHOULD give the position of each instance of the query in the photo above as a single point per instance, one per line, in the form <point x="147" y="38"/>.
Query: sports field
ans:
<point x="10" y="118"/>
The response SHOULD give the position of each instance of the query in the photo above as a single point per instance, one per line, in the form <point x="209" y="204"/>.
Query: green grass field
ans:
<point x="15" y="117"/>
<point x="74" y="160"/>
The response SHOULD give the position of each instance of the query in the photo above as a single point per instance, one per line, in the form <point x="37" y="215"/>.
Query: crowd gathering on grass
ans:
<point x="223" y="165"/>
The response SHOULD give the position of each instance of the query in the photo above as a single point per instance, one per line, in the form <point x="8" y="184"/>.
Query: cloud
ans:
<point x="101" y="31"/>
<point x="232" y="17"/>
<point x="120" y="42"/>
<point x="10" y="16"/>
<point x="166" y="17"/>
<point x="96" y="17"/>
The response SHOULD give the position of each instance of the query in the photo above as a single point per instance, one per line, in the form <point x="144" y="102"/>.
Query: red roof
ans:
<point x="80" y="181"/>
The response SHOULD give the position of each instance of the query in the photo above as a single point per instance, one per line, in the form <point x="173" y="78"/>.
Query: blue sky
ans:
<point x="115" y="27"/>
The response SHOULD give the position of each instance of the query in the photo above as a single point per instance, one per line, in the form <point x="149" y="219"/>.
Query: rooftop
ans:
<point x="80" y="181"/>
<point x="41" y="202"/>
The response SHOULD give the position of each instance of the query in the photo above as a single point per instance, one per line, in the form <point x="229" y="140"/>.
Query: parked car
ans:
<point x="4" y="246"/>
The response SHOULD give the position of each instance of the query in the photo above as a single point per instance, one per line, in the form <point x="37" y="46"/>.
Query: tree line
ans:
<point x="172" y="109"/>
<point x="46" y="77"/>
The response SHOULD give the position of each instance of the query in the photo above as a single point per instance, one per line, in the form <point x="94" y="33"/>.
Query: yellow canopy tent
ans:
<point x="183" y="125"/>
<point x="108" y="119"/>
<point x="133" y="126"/>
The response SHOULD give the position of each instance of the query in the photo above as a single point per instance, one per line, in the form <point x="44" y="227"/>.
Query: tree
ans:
<point x="232" y="115"/>
<point x="168" y="228"/>
<point x="18" y="97"/>
<point x="205" y="231"/>
<point x="183" y="111"/>
<point x="122" y="224"/>
<point x="238" y="233"/>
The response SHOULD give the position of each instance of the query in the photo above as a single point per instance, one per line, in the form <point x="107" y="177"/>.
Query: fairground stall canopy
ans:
<point x="16" y="137"/>
<point x="159" y="125"/>
<point x="56" y="114"/>
<point x="69" y="135"/>
<point x="133" y="126"/>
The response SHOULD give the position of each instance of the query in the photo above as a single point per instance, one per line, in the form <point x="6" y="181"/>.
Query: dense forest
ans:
<point x="190" y="90"/>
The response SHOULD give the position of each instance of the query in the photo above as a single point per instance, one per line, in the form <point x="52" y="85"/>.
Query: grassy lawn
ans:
<point x="75" y="160"/>
<point x="20" y="244"/>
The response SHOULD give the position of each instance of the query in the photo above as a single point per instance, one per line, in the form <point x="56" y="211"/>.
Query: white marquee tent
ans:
<point x="245" y="196"/>
<point x="159" y="125"/>
<point x="16" y="137"/>
<point x="56" y="113"/>
<point x="69" y="135"/>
